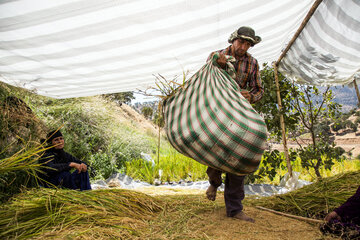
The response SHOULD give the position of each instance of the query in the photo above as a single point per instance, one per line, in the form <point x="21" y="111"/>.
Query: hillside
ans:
<point x="350" y="142"/>
<point x="346" y="96"/>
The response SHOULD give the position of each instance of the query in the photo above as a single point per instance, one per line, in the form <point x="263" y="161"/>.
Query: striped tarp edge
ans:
<point x="327" y="52"/>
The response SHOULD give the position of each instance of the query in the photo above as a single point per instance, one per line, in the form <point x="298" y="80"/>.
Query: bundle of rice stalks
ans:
<point x="168" y="88"/>
<point x="315" y="200"/>
<point x="45" y="211"/>
<point x="20" y="170"/>
<point x="25" y="159"/>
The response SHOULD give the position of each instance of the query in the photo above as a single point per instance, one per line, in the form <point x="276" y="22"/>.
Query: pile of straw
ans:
<point x="46" y="212"/>
<point x="315" y="200"/>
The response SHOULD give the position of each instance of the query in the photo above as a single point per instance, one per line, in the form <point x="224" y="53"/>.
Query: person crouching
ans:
<point x="58" y="165"/>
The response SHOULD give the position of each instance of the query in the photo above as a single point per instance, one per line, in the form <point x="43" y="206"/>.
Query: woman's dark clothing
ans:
<point x="60" y="174"/>
<point x="349" y="225"/>
<point x="350" y="210"/>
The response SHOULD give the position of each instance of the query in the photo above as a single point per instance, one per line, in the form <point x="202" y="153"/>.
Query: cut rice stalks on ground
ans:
<point x="314" y="200"/>
<point x="45" y="211"/>
<point x="125" y="214"/>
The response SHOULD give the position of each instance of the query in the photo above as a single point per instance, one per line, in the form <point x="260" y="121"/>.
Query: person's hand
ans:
<point x="246" y="95"/>
<point x="332" y="215"/>
<point x="83" y="167"/>
<point x="221" y="61"/>
<point x="76" y="166"/>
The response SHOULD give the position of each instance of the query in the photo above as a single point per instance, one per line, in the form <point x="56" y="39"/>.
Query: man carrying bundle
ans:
<point x="248" y="79"/>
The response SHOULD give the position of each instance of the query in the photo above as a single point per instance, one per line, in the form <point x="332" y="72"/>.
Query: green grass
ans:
<point x="176" y="166"/>
<point x="173" y="166"/>
<point x="309" y="175"/>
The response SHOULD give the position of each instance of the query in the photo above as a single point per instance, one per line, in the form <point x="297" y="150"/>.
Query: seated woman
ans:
<point x="344" y="221"/>
<point x="61" y="163"/>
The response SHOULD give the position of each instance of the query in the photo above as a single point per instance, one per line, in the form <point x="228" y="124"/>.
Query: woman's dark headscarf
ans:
<point x="53" y="134"/>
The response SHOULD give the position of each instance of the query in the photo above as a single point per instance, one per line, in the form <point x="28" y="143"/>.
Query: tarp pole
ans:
<point x="357" y="91"/>
<point x="276" y="64"/>
<point x="282" y="122"/>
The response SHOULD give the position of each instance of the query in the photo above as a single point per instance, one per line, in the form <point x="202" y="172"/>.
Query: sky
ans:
<point x="141" y="98"/>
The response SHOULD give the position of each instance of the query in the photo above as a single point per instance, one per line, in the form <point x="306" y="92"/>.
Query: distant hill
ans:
<point x="139" y="105"/>
<point x="346" y="97"/>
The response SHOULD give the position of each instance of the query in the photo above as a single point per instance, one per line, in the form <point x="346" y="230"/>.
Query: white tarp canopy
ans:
<point x="327" y="52"/>
<point x="74" y="48"/>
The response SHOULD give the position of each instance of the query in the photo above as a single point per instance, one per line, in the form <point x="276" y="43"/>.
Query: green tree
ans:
<point x="351" y="125"/>
<point x="159" y="119"/>
<point x="315" y="106"/>
<point x="304" y="108"/>
<point x="147" y="112"/>
<point x="338" y="125"/>
<point x="122" y="97"/>
<point x="268" y="106"/>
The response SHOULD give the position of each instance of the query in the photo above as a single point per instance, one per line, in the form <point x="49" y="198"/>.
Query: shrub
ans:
<point x="147" y="112"/>
<point x="119" y="98"/>
<point x="323" y="128"/>
<point x="102" y="165"/>
<point x="338" y="125"/>
<point x="352" y="126"/>
<point x="357" y="120"/>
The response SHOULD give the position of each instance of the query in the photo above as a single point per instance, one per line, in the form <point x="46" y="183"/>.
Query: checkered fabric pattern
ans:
<point x="210" y="121"/>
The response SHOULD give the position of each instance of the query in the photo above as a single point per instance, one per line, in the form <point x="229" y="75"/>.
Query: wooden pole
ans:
<point x="357" y="91"/>
<point x="276" y="64"/>
<point x="292" y="216"/>
<point x="282" y="122"/>
<point x="159" y="137"/>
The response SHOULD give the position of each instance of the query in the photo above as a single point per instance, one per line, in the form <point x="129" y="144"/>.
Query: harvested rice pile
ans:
<point x="92" y="214"/>
<point x="315" y="200"/>
<point x="125" y="214"/>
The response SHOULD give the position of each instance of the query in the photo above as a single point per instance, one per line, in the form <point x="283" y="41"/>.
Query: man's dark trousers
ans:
<point x="234" y="190"/>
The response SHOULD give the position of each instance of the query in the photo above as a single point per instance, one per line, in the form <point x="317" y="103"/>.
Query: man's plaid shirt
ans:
<point x="247" y="73"/>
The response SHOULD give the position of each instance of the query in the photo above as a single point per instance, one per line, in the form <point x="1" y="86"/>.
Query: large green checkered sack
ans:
<point x="210" y="121"/>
